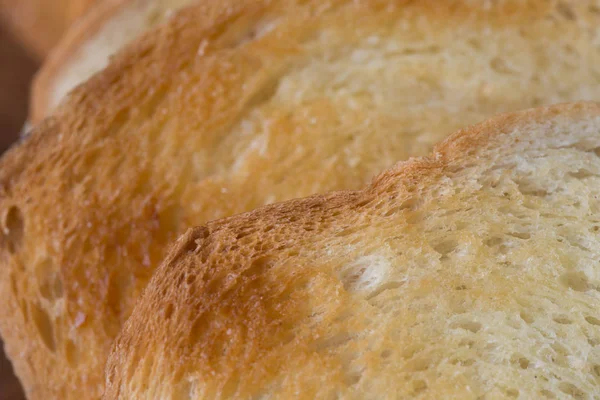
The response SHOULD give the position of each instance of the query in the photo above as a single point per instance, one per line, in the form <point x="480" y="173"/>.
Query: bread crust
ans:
<point x="208" y="116"/>
<point x="69" y="56"/>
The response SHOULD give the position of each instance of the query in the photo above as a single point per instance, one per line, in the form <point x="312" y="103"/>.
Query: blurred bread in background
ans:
<point x="40" y="24"/>
<point x="86" y="47"/>
<point x="17" y="67"/>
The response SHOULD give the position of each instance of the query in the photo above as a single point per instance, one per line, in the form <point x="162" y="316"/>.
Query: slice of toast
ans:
<point x="472" y="273"/>
<point x="87" y="46"/>
<point x="231" y="105"/>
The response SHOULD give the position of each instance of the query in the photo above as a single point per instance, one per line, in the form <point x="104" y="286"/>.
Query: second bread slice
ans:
<point x="469" y="274"/>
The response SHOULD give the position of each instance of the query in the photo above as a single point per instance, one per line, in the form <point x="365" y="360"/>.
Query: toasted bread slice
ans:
<point x="231" y="105"/>
<point x="87" y="46"/>
<point x="472" y="273"/>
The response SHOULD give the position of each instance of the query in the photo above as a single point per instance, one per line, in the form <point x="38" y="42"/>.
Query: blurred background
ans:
<point x="17" y="67"/>
<point x="29" y="30"/>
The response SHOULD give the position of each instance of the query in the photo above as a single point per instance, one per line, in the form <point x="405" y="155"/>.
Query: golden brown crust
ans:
<point x="212" y="114"/>
<point x="77" y="34"/>
<point x="230" y="307"/>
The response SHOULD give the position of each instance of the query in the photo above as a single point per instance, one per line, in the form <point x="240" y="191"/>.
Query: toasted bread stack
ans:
<point x="466" y="272"/>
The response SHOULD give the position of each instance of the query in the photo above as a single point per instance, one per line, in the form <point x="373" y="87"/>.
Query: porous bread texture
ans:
<point x="469" y="274"/>
<point x="88" y="46"/>
<point x="231" y="105"/>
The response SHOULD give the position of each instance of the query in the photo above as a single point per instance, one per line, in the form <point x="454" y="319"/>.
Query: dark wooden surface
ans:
<point x="16" y="71"/>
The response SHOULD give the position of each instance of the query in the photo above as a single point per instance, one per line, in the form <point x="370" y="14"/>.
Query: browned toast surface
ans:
<point x="233" y="105"/>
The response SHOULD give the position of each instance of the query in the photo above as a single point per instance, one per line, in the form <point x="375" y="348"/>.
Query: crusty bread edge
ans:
<point x="404" y="174"/>
<point x="460" y="143"/>
<point x="81" y="106"/>
<point x="82" y="30"/>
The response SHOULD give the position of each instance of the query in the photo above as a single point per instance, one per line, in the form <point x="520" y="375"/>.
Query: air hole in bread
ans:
<point x="43" y="325"/>
<point x="13" y="228"/>
<point x="189" y="246"/>
<point x="596" y="151"/>
<point x="353" y="378"/>
<point x="348" y="231"/>
<point x="119" y="120"/>
<point x="190" y="279"/>
<point x="384" y="288"/>
<point x="527" y="317"/>
<point x="411" y="350"/>
<point x="230" y="387"/>
<point x="500" y="66"/>
<point x="596" y="370"/>
<point x="168" y="311"/>
<point x="547" y="394"/>
<point x="561" y="355"/>
<point x="334" y="341"/>
<point x="514" y="323"/>
<point x="385" y="354"/>
<point x="493" y="241"/>
<point x="463" y="363"/>
<point x="520" y="235"/>
<point x="575" y="241"/>
<point x="419" y="386"/>
<point x="592" y="320"/>
<point x="258" y="266"/>
<point x="575" y="280"/>
<point x="472" y="326"/>
<point x="71" y="353"/>
<point x="13" y="285"/>
<point x="264" y="93"/>
<point x="475" y="44"/>
<point x="363" y="203"/>
<point x="365" y="275"/>
<point x="581" y="174"/>
<point x="446" y="247"/>
<point x="562" y="319"/>
<point x="565" y="11"/>
<point x="572" y="390"/>
<point x="243" y="234"/>
<point x="49" y="281"/>
<point x="418" y="364"/>
<point x="519" y="360"/>
<point x="268" y="228"/>
<point x="84" y="164"/>
<point x="530" y="188"/>
<point x="24" y="310"/>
